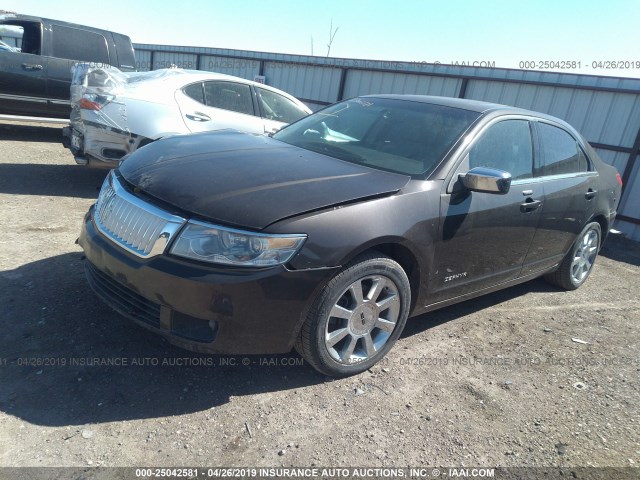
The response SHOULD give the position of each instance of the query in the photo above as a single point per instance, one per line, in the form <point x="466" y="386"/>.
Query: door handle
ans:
<point x="530" y="205"/>
<point x="198" y="117"/>
<point x="31" y="66"/>
<point x="590" y="194"/>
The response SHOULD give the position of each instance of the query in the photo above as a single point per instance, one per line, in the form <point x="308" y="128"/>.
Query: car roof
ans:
<point x="464" y="103"/>
<point x="177" y="77"/>
<point x="18" y="17"/>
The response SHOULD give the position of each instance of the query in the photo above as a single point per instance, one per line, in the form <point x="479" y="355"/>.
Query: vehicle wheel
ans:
<point x="357" y="317"/>
<point x="577" y="265"/>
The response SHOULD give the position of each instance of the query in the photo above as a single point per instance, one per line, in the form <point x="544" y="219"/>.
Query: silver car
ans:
<point x="114" y="113"/>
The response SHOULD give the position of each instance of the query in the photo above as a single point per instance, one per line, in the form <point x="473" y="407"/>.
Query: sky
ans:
<point x="581" y="36"/>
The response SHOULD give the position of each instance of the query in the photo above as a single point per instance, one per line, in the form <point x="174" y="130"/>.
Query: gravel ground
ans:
<point x="529" y="376"/>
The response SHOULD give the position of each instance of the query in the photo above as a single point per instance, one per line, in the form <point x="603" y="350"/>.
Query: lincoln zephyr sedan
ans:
<point x="328" y="235"/>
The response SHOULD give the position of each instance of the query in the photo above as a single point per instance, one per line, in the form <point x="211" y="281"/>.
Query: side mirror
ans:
<point x="488" y="180"/>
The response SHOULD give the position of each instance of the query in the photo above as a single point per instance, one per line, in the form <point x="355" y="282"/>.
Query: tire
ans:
<point x="578" y="263"/>
<point x="357" y="317"/>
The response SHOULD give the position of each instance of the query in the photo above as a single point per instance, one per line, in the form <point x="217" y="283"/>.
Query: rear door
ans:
<point x="23" y="84"/>
<point x="484" y="237"/>
<point x="569" y="182"/>
<point x="68" y="45"/>
<point x="217" y="105"/>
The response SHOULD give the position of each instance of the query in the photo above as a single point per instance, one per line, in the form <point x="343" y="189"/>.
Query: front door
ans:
<point x="23" y="84"/>
<point x="484" y="237"/>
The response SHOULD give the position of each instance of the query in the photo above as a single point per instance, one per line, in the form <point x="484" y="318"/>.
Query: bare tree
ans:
<point x="332" y="35"/>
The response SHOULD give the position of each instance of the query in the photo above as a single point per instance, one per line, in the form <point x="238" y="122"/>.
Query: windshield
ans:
<point x="399" y="136"/>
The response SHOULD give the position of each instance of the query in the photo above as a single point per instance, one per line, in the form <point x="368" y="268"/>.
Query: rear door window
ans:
<point x="560" y="153"/>
<point x="76" y="44"/>
<point x="232" y="96"/>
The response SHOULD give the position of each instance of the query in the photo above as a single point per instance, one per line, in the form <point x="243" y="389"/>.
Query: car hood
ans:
<point x="249" y="180"/>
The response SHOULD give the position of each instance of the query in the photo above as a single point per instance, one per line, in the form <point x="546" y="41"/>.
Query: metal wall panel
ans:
<point x="143" y="60"/>
<point x="617" y="159"/>
<point x="314" y="106"/>
<point x="602" y="117"/>
<point x="180" y="60"/>
<point x="606" y="110"/>
<point x="314" y="83"/>
<point x="242" y="68"/>
<point x="566" y="79"/>
<point x="361" y="82"/>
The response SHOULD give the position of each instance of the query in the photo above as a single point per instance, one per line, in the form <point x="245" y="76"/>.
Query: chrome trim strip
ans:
<point x="135" y="225"/>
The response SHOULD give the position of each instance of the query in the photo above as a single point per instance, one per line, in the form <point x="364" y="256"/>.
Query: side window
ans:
<point x="560" y="152"/>
<point x="76" y="44"/>
<point x="278" y="107"/>
<point x="126" y="57"/>
<point x="505" y="146"/>
<point x="27" y="36"/>
<point x="195" y="91"/>
<point x="229" y="96"/>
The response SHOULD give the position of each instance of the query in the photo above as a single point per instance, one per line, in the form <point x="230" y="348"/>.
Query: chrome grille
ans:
<point x="132" y="223"/>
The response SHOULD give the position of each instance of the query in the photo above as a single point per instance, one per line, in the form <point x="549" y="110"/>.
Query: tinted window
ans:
<point x="27" y="36"/>
<point x="394" y="135"/>
<point x="126" y="57"/>
<point x="195" y="91"/>
<point x="278" y="107"/>
<point x="505" y="146"/>
<point x="560" y="152"/>
<point x="229" y="96"/>
<point x="76" y="44"/>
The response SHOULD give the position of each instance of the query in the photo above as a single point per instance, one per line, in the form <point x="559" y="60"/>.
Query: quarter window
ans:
<point x="278" y="107"/>
<point x="229" y="96"/>
<point x="505" y="146"/>
<point x="560" y="152"/>
<point x="195" y="91"/>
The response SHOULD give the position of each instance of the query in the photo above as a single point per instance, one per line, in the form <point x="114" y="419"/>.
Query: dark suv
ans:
<point x="328" y="235"/>
<point x="36" y="77"/>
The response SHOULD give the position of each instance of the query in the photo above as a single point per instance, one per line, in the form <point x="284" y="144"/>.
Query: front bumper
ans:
<point x="199" y="307"/>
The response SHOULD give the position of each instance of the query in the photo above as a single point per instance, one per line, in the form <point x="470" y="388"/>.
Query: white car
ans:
<point x="114" y="113"/>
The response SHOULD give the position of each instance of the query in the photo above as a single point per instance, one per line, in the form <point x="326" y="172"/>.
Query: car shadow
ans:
<point x="432" y="319"/>
<point x="50" y="180"/>
<point x="31" y="133"/>
<point x="621" y="249"/>
<point x="68" y="359"/>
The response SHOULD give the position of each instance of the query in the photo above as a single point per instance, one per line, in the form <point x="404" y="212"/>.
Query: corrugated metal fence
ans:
<point x="605" y="109"/>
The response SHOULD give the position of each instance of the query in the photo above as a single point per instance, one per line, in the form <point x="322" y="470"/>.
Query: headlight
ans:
<point x="215" y="244"/>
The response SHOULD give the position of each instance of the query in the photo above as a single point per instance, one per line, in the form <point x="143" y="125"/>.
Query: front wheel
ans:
<point x="357" y="317"/>
<point x="578" y="263"/>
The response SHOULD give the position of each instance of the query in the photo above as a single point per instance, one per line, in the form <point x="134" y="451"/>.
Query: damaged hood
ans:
<point x="249" y="180"/>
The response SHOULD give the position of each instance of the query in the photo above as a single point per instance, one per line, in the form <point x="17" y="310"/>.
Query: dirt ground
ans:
<point x="530" y="376"/>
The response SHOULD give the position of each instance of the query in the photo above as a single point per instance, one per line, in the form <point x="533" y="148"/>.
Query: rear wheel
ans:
<point x="357" y="317"/>
<point x="577" y="265"/>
